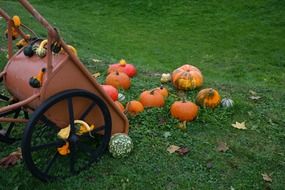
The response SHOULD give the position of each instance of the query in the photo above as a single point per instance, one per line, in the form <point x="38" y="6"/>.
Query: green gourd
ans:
<point x="120" y="145"/>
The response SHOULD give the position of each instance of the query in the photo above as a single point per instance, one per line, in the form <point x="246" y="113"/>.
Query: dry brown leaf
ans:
<point x="11" y="159"/>
<point x="255" y="97"/>
<point x="239" y="125"/>
<point x="222" y="147"/>
<point x="266" y="177"/>
<point x="172" y="148"/>
<point x="182" y="151"/>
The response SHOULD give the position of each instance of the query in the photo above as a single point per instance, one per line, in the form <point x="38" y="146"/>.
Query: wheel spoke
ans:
<point x="87" y="111"/>
<point x="51" y="162"/>
<point x="57" y="143"/>
<point x="71" y="116"/>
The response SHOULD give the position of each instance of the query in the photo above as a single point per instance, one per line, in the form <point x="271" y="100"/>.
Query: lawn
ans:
<point x="240" y="49"/>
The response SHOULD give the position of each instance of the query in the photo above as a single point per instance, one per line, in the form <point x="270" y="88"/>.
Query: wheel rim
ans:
<point x="40" y="141"/>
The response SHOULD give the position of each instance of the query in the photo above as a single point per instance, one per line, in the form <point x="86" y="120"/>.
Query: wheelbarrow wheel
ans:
<point x="41" y="142"/>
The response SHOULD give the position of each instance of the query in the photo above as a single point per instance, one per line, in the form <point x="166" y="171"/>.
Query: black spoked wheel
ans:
<point x="49" y="155"/>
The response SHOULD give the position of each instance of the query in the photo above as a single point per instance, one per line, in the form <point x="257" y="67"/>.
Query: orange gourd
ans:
<point x="134" y="107"/>
<point x="208" y="97"/>
<point x="118" y="80"/>
<point x="16" y="20"/>
<point x="151" y="98"/>
<point x="64" y="150"/>
<point x="184" y="110"/>
<point x="187" y="77"/>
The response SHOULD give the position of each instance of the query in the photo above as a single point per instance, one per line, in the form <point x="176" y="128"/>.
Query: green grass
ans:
<point x="239" y="46"/>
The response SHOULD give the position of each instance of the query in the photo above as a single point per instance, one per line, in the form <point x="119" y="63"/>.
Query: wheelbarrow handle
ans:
<point x="39" y="18"/>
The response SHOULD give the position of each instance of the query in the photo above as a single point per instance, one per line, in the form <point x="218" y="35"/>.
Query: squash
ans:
<point x="41" y="51"/>
<point x="151" y="98"/>
<point x="36" y="82"/>
<point x="227" y="102"/>
<point x="118" y="80"/>
<point x="64" y="150"/>
<point x="184" y="110"/>
<point x="23" y="42"/>
<point x="134" y="107"/>
<point x="187" y="77"/>
<point x="208" y="97"/>
<point x="16" y="20"/>
<point x="124" y="67"/>
<point x="165" y="77"/>
<point x="111" y="91"/>
<point x="120" y="145"/>
<point x="15" y="34"/>
<point x="162" y="90"/>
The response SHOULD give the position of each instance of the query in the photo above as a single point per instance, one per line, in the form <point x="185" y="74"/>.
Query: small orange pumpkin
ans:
<point x="187" y="77"/>
<point x="208" y="97"/>
<point x="134" y="107"/>
<point x="120" y="105"/>
<point x="118" y="80"/>
<point x="184" y="110"/>
<point x="151" y="98"/>
<point x="163" y="91"/>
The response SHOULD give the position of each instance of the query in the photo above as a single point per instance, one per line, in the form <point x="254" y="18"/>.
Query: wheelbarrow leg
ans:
<point x="5" y="134"/>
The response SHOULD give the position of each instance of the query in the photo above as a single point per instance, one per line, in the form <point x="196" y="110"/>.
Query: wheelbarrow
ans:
<point x="69" y="118"/>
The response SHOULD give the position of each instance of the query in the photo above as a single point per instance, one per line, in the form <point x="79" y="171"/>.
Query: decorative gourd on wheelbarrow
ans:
<point x="72" y="118"/>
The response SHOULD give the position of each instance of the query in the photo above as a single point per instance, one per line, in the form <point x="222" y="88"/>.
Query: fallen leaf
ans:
<point x="252" y="92"/>
<point x="172" y="148"/>
<point x="239" y="125"/>
<point x="255" y="97"/>
<point x="11" y="159"/>
<point x="182" y="151"/>
<point x="96" y="60"/>
<point x="266" y="177"/>
<point x="222" y="147"/>
<point x="96" y="75"/>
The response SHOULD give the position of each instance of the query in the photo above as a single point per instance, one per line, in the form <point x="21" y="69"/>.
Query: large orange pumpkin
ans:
<point x="151" y="98"/>
<point x="118" y="80"/>
<point x="208" y="97"/>
<point x="184" y="110"/>
<point x="187" y="77"/>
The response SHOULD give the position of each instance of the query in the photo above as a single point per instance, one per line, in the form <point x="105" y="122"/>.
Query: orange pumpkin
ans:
<point x="124" y="67"/>
<point x="163" y="91"/>
<point x="208" y="97"/>
<point x="120" y="105"/>
<point x="118" y="80"/>
<point x="187" y="77"/>
<point x="184" y="110"/>
<point x="151" y="98"/>
<point x="134" y="107"/>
